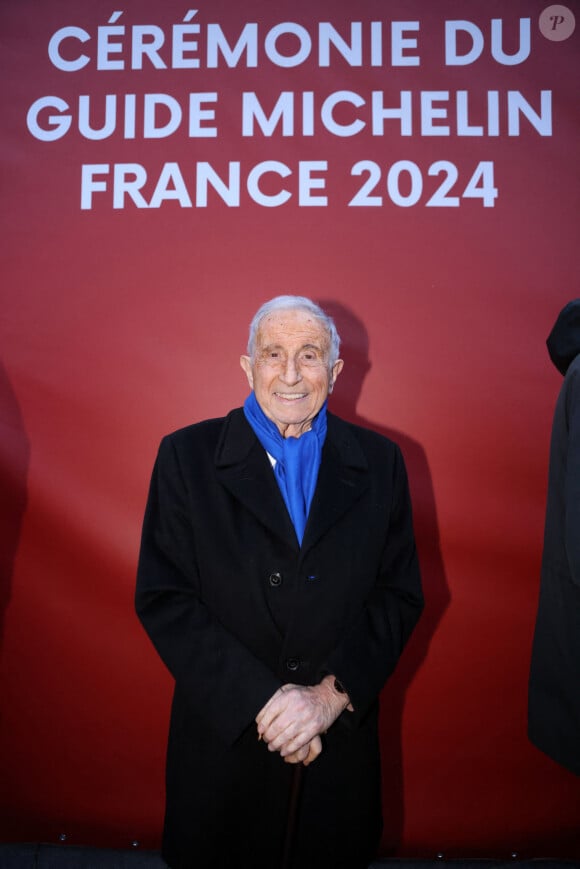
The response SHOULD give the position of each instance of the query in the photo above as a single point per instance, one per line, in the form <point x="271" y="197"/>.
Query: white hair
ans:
<point x="296" y="303"/>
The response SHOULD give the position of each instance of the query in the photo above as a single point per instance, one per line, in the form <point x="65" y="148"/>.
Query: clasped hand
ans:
<point x="293" y="719"/>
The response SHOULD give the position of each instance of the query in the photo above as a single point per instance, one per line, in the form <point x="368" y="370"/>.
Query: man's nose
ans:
<point x="290" y="372"/>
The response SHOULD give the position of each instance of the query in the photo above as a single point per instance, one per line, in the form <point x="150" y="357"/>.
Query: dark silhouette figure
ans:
<point x="554" y="696"/>
<point x="355" y="352"/>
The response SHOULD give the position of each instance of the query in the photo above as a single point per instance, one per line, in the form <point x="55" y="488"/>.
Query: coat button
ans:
<point x="292" y="664"/>
<point x="275" y="579"/>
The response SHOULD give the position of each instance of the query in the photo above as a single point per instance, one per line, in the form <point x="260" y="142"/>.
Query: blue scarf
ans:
<point x="297" y="459"/>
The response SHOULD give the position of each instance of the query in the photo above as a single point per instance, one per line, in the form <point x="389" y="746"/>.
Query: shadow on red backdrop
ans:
<point x="355" y="352"/>
<point x="13" y="488"/>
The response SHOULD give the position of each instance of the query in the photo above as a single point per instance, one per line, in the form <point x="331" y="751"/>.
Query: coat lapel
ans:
<point x="243" y="467"/>
<point x="342" y="479"/>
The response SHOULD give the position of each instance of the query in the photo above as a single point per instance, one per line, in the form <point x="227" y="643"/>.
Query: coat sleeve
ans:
<point x="572" y="480"/>
<point x="370" y="649"/>
<point x="222" y="681"/>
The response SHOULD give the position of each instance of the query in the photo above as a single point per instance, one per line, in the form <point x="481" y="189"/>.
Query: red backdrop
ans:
<point x="126" y="296"/>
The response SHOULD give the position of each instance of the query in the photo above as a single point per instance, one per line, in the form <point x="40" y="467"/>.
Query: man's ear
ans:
<point x="336" y="369"/>
<point x="246" y="364"/>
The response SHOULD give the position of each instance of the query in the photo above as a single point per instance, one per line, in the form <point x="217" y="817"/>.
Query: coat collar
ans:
<point x="244" y="469"/>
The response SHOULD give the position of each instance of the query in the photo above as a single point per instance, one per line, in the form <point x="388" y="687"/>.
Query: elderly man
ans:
<point x="279" y="582"/>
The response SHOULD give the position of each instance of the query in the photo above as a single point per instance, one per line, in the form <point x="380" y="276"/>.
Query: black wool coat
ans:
<point x="236" y="608"/>
<point x="554" y="687"/>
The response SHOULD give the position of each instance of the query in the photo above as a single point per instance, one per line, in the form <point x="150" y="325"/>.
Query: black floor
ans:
<point x="39" y="856"/>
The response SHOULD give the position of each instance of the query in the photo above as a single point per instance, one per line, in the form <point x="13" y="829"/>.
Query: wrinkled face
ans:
<point x="290" y="374"/>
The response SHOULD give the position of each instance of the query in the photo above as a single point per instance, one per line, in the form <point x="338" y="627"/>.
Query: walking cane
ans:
<point x="293" y="801"/>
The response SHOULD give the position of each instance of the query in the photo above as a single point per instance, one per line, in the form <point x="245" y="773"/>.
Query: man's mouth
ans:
<point x="290" y="396"/>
